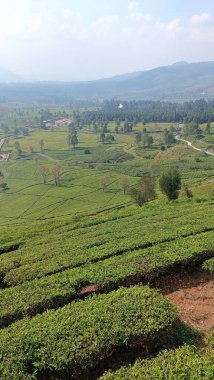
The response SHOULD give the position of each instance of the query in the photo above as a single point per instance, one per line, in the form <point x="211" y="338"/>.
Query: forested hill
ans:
<point x="181" y="81"/>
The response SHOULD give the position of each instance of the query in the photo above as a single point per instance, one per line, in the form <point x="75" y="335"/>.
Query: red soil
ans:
<point x="196" y="305"/>
<point x="89" y="289"/>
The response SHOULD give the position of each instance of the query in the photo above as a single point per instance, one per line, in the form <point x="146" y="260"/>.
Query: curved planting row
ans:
<point x="22" y="266"/>
<point x="75" y="338"/>
<point x="53" y="291"/>
<point x="181" y="364"/>
<point x="49" y="245"/>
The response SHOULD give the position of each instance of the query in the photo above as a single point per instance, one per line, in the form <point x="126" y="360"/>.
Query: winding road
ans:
<point x="189" y="143"/>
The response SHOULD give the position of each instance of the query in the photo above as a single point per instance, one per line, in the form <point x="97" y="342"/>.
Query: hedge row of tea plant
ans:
<point x="209" y="265"/>
<point x="75" y="338"/>
<point x="45" y="258"/>
<point x="181" y="364"/>
<point x="53" y="291"/>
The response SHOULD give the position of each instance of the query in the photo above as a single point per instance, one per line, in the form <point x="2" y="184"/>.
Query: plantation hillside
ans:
<point x="103" y="274"/>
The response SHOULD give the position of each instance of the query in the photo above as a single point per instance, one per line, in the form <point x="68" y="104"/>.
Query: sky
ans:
<point x="73" y="40"/>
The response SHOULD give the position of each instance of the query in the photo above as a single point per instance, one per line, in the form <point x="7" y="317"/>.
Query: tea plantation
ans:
<point x="85" y="272"/>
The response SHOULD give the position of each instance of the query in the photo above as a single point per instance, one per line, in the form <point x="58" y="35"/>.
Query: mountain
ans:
<point x="7" y="76"/>
<point x="180" y="81"/>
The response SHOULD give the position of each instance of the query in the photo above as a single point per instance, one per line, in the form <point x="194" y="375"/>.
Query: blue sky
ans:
<point x="90" y="39"/>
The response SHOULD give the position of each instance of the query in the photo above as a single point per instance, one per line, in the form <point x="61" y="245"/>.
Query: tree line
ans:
<point x="199" y="111"/>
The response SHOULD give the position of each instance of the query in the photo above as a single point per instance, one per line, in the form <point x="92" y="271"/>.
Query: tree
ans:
<point x="95" y="127"/>
<point x="208" y="128"/>
<point x="109" y="138"/>
<point x="41" y="144"/>
<point x="72" y="136"/>
<point x="57" y="173"/>
<point x="116" y="129"/>
<point x="16" y="133"/>
<point x="192" y="129"/>
<point x="117" y="126"/>
<point x="104" y="183"/>
<point x="149" y="140"/>
<point x="138" y="138"/>
<point x="124" y="183"/>
<point x="105" y="128"/>
<point x="128" y="126"/>
<point x="18" y="148"/>
<point x="144" y="191"/>
<point x="169" y="138"/>
<point x="170" y="183"/>
<point x="144" y="139"/>
<point x="4" y="186"/>
<point x="102" y="137"/>
<point x="44" y="171"/>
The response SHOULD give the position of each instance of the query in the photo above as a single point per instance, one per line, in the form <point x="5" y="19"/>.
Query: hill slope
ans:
<point x="179" y="81"/>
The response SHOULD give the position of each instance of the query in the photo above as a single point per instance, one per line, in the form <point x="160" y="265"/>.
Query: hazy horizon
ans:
<point x="73" y="40"/>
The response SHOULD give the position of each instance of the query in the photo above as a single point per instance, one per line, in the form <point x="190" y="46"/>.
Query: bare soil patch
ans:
<point x="195" y="300"/>
<point x="89" y="289"/>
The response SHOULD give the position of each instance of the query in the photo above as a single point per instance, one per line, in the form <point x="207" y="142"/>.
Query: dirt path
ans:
<point x="189" y="143"/>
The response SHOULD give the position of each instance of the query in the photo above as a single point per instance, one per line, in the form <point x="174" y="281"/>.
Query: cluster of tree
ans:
<point x="144" y="138"/>
<point x="144" y="190"/>
<point x="169" y="183"/>
<point x="199" y="111"/>
<point x="56" y="172"/>
<point x="169" y="137"/>
<point x="107" y="138"/>
<point x="194" y="129"/>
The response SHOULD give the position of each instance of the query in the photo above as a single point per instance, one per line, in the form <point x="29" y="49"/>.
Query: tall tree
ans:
<point x="104" y="182"/>
<point x="138" y="138"/>
<point x="18" y="148"/>
<point x="73" y="137"/>
<point x="144" y="191"/>
<point x="102" y="137"/>
<point x="44" y="172"/>
<point x="170" y="183"/>
<point x="124" y="183"/>
<point x="169" y="138"/>
<point x="57" y="174"/>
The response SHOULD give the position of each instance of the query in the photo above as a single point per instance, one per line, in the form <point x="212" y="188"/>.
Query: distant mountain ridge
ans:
<point x="7" y="76"/>
<point x="181" y="80"/>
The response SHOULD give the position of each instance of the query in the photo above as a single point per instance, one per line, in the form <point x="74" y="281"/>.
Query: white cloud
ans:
<point x="104" y="24"/>
<point x="140" y="17"/>
<point x="173" y="25"/>
<point x="202" y="18"/>
<point x="133" y="5"/>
